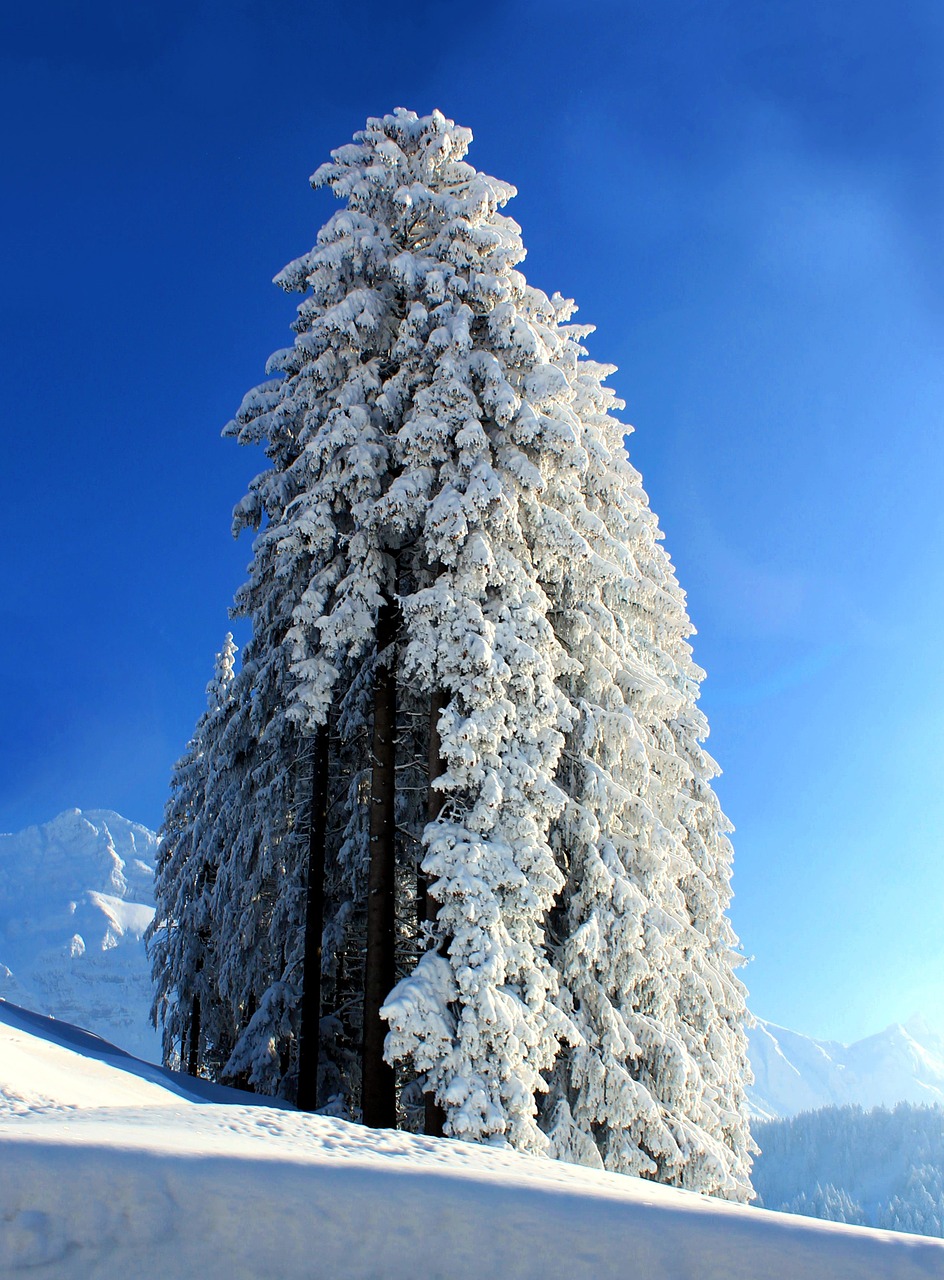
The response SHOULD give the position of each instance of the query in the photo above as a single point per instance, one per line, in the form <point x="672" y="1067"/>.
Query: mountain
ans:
<point x="794" y="1073"/>
<point x="76" y="895"/>
<point x="114" y="1167"/>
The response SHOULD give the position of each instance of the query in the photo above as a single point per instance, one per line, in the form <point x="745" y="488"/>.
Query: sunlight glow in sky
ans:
<point x="747" y="200"/>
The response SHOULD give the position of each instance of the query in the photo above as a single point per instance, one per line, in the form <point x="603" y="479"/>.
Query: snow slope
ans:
<point x="793" y="1073"/>
<point x="115" y="1167"/>
<point x="76" y="895"/>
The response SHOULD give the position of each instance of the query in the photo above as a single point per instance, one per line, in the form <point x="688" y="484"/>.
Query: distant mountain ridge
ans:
<point x="794" y="1073"/>
<point x="76" y="895"/>
<point x="878" y="1168"/>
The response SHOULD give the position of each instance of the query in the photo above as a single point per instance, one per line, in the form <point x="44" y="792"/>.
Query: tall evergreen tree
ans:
<point x="642" y="1076"/>
<point x="440" y="442"/>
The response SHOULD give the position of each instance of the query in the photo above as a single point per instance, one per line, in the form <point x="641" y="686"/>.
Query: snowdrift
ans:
<point x="112" y="1166"/>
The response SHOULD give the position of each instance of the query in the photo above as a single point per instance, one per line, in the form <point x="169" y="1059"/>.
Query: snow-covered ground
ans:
<point x="110" y="1166"/>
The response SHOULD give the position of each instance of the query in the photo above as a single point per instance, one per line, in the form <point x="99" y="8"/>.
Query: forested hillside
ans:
<point x="881" y="1168"/>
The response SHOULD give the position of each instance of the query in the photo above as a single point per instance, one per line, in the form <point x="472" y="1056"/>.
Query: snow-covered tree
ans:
<point x="458" y="592"/>
<point x="628" y="941"/>
<point x="181" y="937"/>
<point x="389" y="455"/>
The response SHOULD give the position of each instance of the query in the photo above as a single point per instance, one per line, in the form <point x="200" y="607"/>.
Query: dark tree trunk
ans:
<point x="434" y="1117"/>
<point x="426" y="906"/>
<point x="379" y="1102"/>
<point x="193" y="1058"/>
<point x="309" y="1034"/>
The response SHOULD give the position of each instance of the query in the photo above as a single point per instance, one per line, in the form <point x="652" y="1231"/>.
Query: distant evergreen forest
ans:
<point x="879" y="1168"/>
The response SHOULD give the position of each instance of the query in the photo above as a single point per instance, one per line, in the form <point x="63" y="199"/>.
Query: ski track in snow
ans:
<point x="111" y="1166"/>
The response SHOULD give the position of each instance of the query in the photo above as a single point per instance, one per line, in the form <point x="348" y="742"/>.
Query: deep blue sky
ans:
<point x="747" y="200"/>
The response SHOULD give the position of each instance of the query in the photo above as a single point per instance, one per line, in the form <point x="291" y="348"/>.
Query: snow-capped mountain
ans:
<point x="793" y="1073"/>
<point x="76" y="895"/>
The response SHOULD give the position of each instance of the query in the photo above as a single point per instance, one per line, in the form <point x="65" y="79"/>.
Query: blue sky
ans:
<point x="746" y="200"/>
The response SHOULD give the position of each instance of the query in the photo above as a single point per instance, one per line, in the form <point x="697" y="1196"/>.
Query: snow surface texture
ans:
<point x="76" y="895"/>
<point x="111" y="1166"/>
<point x="792" y="1073"/>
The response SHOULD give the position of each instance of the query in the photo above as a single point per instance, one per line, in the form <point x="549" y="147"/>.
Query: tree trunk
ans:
<point x="426" y="906"/>
<point x="309" y="1035"/>
<point x="193" y="1059"/>
<point x="435" y="1116"/>
<point x="379" y="1102"/>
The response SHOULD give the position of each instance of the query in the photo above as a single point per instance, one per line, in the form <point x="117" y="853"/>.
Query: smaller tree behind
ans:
<point x="181" y="936"/>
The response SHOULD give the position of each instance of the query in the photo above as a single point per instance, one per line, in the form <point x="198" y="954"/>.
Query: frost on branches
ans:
<point x="463" y="619"/>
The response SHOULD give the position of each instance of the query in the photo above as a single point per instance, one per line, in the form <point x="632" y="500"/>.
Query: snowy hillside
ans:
<point x="113" y="1167"/>
<point x="793" y="1073"/>
<point x="76" y="895"/>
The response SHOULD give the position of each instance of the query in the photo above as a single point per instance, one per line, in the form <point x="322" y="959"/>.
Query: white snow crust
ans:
<point x="110" y="1166"/>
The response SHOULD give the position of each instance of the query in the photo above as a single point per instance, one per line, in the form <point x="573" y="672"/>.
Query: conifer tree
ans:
<point x="181" y="937"/>
<point x="643" y="1076"/>
<point x="309" y="1031"/>
<point x="441" y="448"/>
<point x="261" y="808"/>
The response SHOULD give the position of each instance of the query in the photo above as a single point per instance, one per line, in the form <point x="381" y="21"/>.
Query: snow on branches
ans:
<point x="451" y="541"/>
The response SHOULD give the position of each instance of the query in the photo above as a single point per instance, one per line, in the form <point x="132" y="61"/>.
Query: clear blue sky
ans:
<point x="747" y="200"/>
